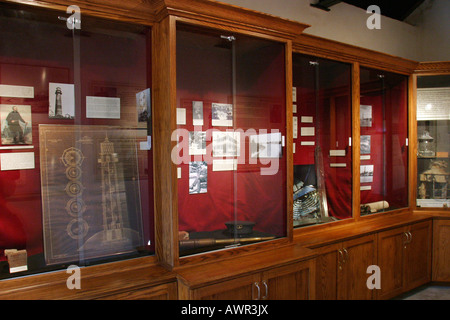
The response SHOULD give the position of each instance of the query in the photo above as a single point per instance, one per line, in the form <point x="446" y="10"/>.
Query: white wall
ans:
<point x="432" y="19"/>
<point x="346" y="23"/>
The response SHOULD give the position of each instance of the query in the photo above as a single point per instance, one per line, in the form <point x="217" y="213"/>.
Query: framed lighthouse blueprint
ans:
<point x="90" y="192"/>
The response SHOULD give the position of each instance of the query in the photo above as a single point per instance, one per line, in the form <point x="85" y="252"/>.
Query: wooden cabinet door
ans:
<point x="341" y="269"/>
<point x="291" y="282"/>
<point x="417" y="267"/>
<point x="327" y="271"/>
<point x="441" y="250"/>
<point x="391" y="249"/>
<point x="357" y="255"/>
<point x="242" y="288"/>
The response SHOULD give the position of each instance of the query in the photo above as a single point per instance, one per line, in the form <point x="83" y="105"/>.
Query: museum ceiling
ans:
<point x="398" y="10"/>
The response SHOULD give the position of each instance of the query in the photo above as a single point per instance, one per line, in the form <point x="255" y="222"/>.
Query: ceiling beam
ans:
<point x="325" y="4"/>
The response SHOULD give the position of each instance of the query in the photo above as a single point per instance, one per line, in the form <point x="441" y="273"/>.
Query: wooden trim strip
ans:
<point x="209" y="11"/>
<point x="433" y="67"/>
<point x="133" y="11"/>
<point x="330" y="49"/>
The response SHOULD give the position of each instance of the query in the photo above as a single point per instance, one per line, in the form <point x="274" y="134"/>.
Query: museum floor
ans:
<point x="427" y="292"/>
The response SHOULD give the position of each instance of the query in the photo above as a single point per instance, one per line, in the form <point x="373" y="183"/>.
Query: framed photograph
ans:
<point x="16" y="124"/>
<point x="198" y="177"/>
<point x="143" y="105"/>
<point x="366" y="173"/>
<point x="365" y="115"/>
<point x="266" y="145"/>
<point x="197" y="143"/>
<point x="365" y="144"/>
<point x="197" y="113"/>
<point x="61" y="101"/>
<point x="222" y="115"/>
<point x="226" y="143"/>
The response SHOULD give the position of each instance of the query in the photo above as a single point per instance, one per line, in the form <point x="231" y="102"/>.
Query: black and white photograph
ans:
<point x="222" y="114"/>
<point x="266" y="145"/>
<point x="365" y="144"/>
<point x="197" y="113"/>
<point x="198" y="177"/>
<point x="16" y="124"/>
<point x="197" y="143"/>
<point x="366" y="173"/>
<point x="365" y="115"/>
<point x="143" y="105"/>
<point x="226" y="143"/>
<point x="61" y="101"/>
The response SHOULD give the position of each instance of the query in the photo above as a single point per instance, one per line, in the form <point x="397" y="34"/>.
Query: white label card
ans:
<point x="181" y="116"/>
<point x="16" y="91"/>
<point x="102" y="107"/>
<point x="307" y="131"/>
<point x="17" y="161"/>
<point x="307" y="119"/>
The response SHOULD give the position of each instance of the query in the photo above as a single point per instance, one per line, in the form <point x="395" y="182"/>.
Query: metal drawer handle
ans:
<point x="345" y="256"/>
<point x="340" y="259"/>
<point x="267" y="290"/>
<point x="256" y="284"/>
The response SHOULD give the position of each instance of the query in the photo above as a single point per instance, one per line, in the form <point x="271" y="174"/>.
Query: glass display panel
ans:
<point x="75" y="155"/>
<point x="231" y="121"/>
<point x="433" y="141"/>
<point x="384" y="144"/>
<point x="322" y="133"/>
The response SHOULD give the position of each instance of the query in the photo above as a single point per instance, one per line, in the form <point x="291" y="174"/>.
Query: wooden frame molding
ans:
<point x="134" y="11"/>
<point x="217" y="13"/>
<point x="433" y="68"/>
<point x="329" y="49"/>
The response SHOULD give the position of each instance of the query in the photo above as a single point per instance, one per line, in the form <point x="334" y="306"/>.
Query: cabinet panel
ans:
<point x="242" y="288"/>
<point x="418" y="255"/>
<point x="292" y="282"/>
<point x="390" y="260"/>
<point x="404" y="258"/>
<point x="326" y="272"/>
<point x="441" y="250"/>
<point x="357" y="255"/>
<point x="341" y="269"/>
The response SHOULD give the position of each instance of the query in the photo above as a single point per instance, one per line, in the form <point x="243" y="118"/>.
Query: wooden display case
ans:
<point x="316" y="262"/>
<point x="169" y="89"/>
